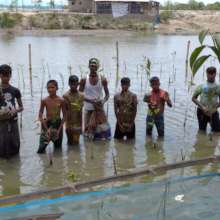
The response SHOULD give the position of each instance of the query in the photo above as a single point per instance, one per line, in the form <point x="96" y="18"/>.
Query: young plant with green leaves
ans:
<point x="196" y="59"/>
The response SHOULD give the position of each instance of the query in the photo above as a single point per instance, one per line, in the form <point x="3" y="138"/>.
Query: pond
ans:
<point x="57" y="57"/>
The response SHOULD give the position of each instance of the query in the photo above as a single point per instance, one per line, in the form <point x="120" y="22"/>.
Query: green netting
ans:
<point x="195" y="197"/>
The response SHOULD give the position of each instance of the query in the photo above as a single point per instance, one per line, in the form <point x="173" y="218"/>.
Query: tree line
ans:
<point x="191" y="5"/>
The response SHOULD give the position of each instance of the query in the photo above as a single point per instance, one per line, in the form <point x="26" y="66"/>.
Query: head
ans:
<point x="125" y="84"/>
<point x="73" y="83"/>
<point x="155" y="83"/>
<point x="211" y="74"/>
<point x="93" y="66"/>
<point x="5" y="73"/>
<point x="52" y="87"/>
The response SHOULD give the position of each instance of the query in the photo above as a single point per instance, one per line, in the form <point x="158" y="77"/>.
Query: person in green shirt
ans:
<point x="208" y="102"/>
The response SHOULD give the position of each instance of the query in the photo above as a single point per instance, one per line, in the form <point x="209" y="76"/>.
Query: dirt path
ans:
<point x="191" y="22"/>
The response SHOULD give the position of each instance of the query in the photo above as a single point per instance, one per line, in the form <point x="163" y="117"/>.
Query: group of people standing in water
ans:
<point x="85" y="100"/>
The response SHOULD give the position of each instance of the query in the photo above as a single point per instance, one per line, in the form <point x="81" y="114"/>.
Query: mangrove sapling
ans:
<point x="125" y="68"/>
<point x="183" y="156"/>
<point x="48" y="71"/>
<point x="62" y="81"/>
<point x="187" y="60"/>
<point x="117" y="61"/>
<point x="174" y="97"/>
<point x="137" y="70"/>
<point x="69" y="69"/>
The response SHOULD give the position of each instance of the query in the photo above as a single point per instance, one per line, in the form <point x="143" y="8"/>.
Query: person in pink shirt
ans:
<point x="156" y="103"/>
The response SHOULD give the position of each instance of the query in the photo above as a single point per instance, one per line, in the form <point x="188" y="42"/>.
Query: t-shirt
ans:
<point x="10" y="94"/>
<point x="209" y="95"/>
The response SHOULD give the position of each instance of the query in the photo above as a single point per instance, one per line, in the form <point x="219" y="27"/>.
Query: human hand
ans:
<point x="12" y="112"/>
<point x="205" y="109"/>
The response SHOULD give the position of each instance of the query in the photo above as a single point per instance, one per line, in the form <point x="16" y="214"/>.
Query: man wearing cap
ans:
<point x="156" y="103"/>
<point x="93" y="86"/>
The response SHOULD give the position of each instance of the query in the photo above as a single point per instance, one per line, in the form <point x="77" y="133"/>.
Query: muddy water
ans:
<point x="56" y="57"/>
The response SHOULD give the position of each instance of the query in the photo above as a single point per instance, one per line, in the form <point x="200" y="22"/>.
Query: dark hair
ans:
<point x="125" y="81"/>
<point x="211" y="69"/>
<point x="73" y="78"/>
<point x="154" y="78"/>
<point x="52" y="81"/>
<point x="5" y="70"/>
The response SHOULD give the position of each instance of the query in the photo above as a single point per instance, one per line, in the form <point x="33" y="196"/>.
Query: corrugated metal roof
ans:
<point x="124" y="1"/>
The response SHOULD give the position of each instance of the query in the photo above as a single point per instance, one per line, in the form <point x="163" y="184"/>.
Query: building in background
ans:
<point x="136" y="8"/>
<point x="117" y="8"/>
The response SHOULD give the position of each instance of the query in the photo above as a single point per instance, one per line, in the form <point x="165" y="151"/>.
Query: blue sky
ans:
<point x="65" y="1"/>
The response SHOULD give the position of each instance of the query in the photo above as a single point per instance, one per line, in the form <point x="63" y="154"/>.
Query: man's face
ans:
<point x="125" y="87"/>
<point x="93" y="67"/>
<point x="52" y="89"/>
<point x="155" y="85"/>
<point x="211" y="76"/>
<point x="73" y="85"/>
<point x="5" y="78"/>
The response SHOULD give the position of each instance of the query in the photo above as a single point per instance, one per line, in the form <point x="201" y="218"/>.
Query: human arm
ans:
<point x="82" y="84"/>
<point x="134" y="103"/>
<point x="117" y="113"/>
<point x="63" y="109"/>
<point x="167" y="99"/>
<point x="146" y="98"/>
<point x="20" y="108"/>
<point x="197" y="102"/>
<point x="106" y="90"/>
<point x="40" y="114"/>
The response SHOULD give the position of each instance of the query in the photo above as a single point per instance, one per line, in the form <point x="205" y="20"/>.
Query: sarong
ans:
<point x="9" y="138"/>
<point x="44" y="139"/>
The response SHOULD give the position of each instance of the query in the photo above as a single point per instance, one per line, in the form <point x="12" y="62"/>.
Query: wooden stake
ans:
<point x="30" y="68"/>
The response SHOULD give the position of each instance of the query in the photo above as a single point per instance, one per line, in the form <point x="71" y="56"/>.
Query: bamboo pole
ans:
<point x="30" y="68"/>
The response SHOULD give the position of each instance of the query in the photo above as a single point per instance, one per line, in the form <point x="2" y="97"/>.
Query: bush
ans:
<point x="8" y="20"/>
<point x="166" y="15"/>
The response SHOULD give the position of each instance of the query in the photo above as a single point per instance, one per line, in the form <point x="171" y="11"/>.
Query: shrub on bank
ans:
<point x="166" y="15"/>
<point x="9" y="20"/>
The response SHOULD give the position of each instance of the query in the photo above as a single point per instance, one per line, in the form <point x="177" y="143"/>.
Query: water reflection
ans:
<point x="10" y="176"/>
<point x="205" y="146"/>
<point x="155" y="153"/>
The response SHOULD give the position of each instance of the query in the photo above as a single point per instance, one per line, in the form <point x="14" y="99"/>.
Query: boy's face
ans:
<point x="5" y="78"/>
<point x="73" y="85"/>
<point x="52" y="89"/>
<point x="125" y="87"/>
<point x="211" y="77"/>
<point x="155" y="85"/>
